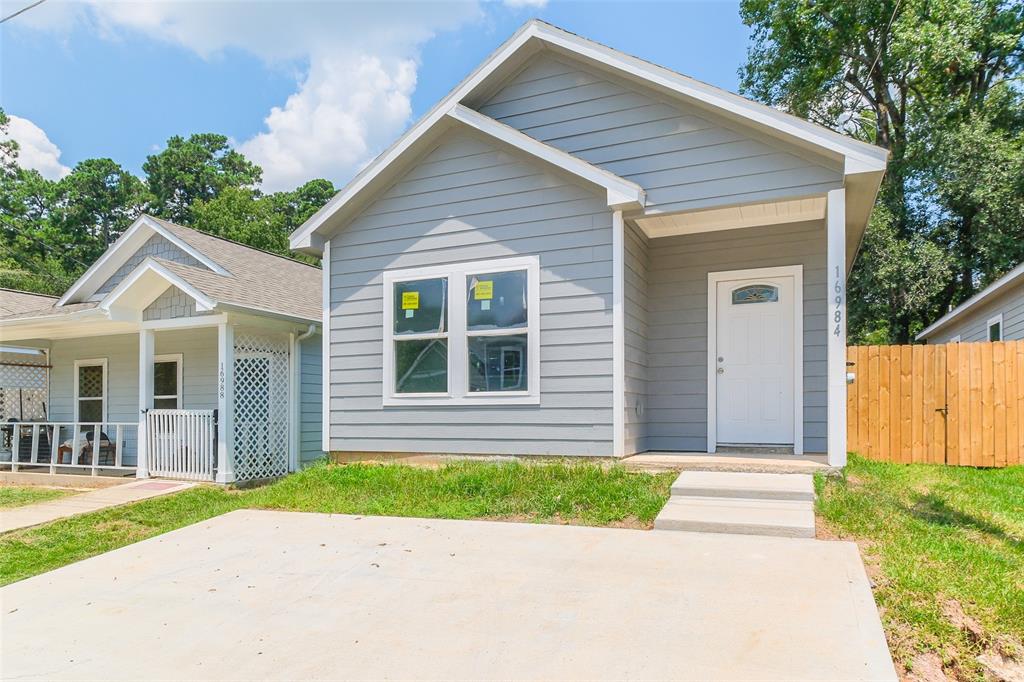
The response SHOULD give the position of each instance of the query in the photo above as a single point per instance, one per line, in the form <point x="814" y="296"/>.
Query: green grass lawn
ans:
<point x="19" y="496"/>
<point x="945" y="548"/>
<point x="584" y="494"/>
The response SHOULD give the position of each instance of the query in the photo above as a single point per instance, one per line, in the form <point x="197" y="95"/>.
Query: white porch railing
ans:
<point x="69" y="445"/>
<point x="181" y="444"/>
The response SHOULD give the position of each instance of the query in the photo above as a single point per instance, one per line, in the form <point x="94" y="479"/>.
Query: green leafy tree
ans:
<point x="197" y="168"/>
<point x="99" y="200"/>
<point x="915" y="77"/>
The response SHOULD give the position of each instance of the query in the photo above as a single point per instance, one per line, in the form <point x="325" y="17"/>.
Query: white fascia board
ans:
<point x="992" y="289"/>
<point x="107" y="264"/>
<point x="203" y="302"/>
<point x="302" y="237"/>
<point x="622" y="194"/>
<point x="858" y="156"/>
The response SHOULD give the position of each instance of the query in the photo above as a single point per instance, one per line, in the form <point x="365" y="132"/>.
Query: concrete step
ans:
<point x="785" y="518"/>
<point x="751" y="486"/>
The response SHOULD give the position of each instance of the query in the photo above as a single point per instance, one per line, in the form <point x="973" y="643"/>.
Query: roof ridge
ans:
<point x="29" y="293"/>
<point x="232" y="241"/>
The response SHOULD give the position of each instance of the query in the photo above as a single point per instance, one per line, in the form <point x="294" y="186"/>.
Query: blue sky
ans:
<point x="307" y="89"/>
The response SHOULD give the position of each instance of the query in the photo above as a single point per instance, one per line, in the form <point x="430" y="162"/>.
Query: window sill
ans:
<point x="490" y="399"/>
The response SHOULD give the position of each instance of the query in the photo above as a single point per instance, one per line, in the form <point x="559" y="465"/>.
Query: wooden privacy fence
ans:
<point x="958" y="403"/>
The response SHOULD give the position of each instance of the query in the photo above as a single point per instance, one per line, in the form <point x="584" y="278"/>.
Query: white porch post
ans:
<point x="836" y="296"/>
<point x="225" y="402"/>
<point x="146" y="342"/>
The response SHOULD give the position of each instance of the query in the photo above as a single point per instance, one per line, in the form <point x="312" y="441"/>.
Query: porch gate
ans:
<point x="182" y="443"/>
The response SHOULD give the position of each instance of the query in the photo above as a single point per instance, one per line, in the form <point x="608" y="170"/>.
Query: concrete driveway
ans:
<point x="275" y="595"/>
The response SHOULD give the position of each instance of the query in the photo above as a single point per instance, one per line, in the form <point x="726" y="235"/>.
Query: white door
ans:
<point x="754" y="358"/>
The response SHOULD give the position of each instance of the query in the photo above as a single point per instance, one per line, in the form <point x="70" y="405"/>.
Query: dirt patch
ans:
<point x="926" y="667"/>
<point x="1000" y="667"/>
<point x="954" y="612"/>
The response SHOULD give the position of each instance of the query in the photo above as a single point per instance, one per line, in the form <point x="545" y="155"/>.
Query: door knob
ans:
<point x="721" y="370"/>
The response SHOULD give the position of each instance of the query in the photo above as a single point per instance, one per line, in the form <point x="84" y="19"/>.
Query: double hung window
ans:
<point x="466" y="333"/>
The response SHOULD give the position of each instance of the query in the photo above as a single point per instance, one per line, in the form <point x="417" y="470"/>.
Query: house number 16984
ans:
<point x="837" y="316"/>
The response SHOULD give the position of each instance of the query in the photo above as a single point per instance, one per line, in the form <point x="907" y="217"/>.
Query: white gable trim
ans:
<point x="1006" y="280"/>
<point x="121" y="250"/>
<point x="109" y="304"/>
<point x="622" y="194"/>
<point x="859" y="157"/>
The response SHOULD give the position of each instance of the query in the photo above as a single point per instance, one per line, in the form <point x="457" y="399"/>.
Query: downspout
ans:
<point x="296" y="457"/>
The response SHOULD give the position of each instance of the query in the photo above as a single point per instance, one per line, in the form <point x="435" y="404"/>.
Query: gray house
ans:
<point x="176" y="354"/>
<point x="578" y="252"/>
<point x="996" y="313"/>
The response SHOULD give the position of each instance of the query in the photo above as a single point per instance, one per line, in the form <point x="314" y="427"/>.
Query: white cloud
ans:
<point x="35" y="150"/>
<point x="534" y="4"/>
<point x="360" y="62"/>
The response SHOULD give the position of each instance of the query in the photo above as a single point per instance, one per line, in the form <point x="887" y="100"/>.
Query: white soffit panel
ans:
<point x="733" y="217"/>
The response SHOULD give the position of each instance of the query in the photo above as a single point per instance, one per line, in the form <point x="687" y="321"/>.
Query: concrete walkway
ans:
<point x="83" y="503"/>
<point x="264" y="595"/>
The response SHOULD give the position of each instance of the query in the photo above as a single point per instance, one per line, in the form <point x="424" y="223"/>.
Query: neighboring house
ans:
<point x="996" y="313"/>
<point x="189" y="355"/>
<point x="577" y="252"/>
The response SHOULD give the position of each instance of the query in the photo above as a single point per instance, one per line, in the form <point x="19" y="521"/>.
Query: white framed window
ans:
<point x="91" y="391"/>
<point x="994" y="325"/>
<point x="167" y="381"/>
<point x="466" y="334"/>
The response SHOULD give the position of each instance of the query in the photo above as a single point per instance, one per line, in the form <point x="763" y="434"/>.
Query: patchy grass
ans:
<point x="19" y="496"/>
<point x="945" y="548"/>
<point x="577" y="493"/>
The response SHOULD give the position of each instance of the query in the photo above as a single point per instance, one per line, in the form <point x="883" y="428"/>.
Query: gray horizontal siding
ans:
<point x="677" y="335"/>
<point x="310" y="399"/>
<point x="636" y="319"/>
<point x="676" y="152"/>
<point x="468" y="200"/>
<point x="974" y="325"/>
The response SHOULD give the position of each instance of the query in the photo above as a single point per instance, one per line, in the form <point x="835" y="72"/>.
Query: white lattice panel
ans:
<point x="23" y="391"/>
<point x="261" y="405"/>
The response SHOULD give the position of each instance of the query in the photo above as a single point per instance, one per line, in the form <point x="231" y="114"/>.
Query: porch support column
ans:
<point x="225" y="402"/>
<point x="618" y="335"/>
<point x="836" y="327"/>
<point x="146" y="343"/>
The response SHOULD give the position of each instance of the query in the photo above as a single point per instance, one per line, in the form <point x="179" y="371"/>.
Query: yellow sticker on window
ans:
<point x="484" y="290"/>
<point x="410" y="300"/>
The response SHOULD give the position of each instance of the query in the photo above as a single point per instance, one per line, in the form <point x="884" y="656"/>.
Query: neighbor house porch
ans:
<point x="206" y="398"/>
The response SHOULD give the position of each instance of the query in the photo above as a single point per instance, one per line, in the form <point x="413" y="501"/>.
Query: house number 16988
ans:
<point x="837" y="316"/>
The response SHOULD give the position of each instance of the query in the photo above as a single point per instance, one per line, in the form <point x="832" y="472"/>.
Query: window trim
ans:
<point x="955" y="339"/>
<point x="992" y="321"/>
<point x="93" y="362"/>
<point x="178" y="358"/>
<point x="458" y="334"/>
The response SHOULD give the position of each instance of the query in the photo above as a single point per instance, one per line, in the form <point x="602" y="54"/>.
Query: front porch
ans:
<point x="208" y="398"/>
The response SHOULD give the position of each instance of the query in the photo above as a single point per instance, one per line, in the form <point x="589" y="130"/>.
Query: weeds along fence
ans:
<point x="958" y="403"/>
